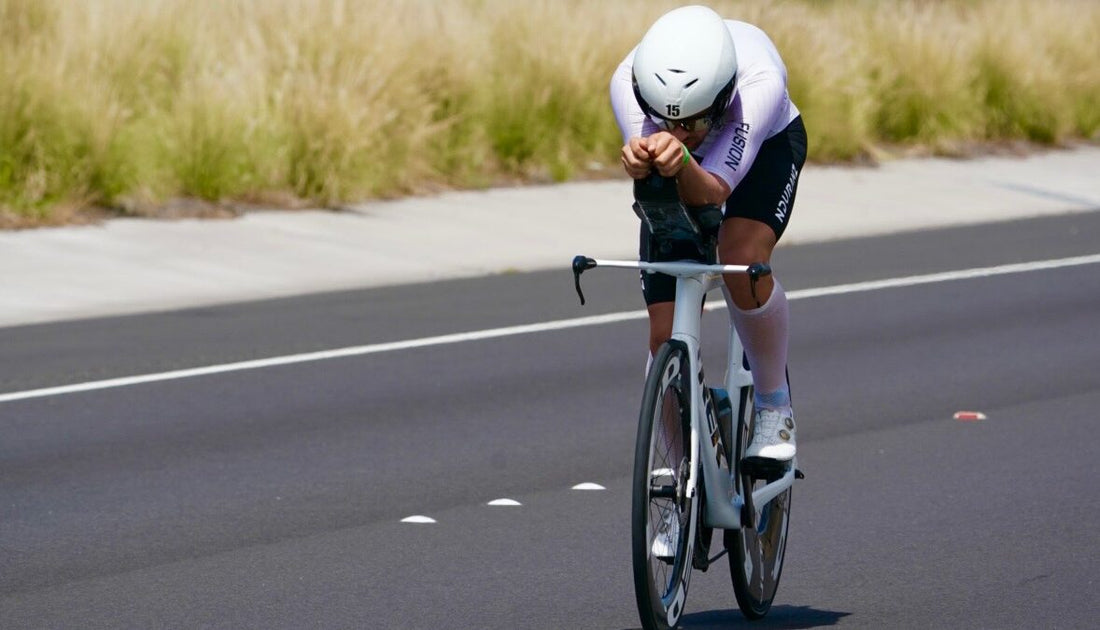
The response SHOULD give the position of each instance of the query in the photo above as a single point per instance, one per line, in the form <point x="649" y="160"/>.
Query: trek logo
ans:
<point x="785" y="199"/>
<point x="710" y="409"/>
<point x="672" y="372"/>
<point x="737" y="150"/>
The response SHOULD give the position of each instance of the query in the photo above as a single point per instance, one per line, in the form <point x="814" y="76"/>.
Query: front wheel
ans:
<point x="663" y="516"/>
<point x="756" y="553"/>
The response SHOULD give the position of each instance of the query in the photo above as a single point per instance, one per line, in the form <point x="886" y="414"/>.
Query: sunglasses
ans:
<point x="699" y="122"/>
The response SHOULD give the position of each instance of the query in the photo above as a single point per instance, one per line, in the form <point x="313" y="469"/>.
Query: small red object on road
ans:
<point x="969" y="416"/>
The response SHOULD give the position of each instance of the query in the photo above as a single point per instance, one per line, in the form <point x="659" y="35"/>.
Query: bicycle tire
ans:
<point x="757" y="554"/>
<point x="661" y="466"/>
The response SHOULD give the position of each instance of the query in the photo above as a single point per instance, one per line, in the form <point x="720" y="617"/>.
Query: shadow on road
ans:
<point x="780" y="618"/>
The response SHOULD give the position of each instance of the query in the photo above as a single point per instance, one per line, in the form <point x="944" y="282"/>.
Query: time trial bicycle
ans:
<point x="690" y="473"/>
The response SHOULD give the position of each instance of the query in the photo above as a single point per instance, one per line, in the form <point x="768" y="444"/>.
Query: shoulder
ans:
<point x="756" y="53"/>
<point x="737" y="27"/>
<point x="624" y="72"/>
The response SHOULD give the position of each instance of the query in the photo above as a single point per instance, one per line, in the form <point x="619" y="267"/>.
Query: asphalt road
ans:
<point x="273" y="497"/>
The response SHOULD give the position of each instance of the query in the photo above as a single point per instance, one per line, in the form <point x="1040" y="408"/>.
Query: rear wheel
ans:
<point x="757" y="552"/>
<point x="663" y="517"/>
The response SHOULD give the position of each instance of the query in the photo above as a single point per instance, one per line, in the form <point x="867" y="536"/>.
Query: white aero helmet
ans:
<point x="685" y="68"/>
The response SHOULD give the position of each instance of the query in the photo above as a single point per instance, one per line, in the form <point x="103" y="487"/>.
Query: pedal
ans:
<point x="700" y="559"/>
<point x="700" y="563"/>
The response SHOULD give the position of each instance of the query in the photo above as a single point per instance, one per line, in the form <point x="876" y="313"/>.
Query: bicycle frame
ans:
<point x="725" y="502"/>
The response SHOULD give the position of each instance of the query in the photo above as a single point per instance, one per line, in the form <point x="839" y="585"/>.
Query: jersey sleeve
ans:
<point x="750" y="120"/>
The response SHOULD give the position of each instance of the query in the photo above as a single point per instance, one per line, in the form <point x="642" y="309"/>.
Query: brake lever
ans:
<point x="580" y="265"/>
<point x="756" y="271"/>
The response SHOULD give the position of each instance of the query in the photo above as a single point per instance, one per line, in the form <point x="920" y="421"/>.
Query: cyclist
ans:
<point x="704" y="100"/>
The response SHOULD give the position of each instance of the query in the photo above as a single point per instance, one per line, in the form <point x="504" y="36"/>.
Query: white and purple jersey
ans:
<point x="760" y="109"/>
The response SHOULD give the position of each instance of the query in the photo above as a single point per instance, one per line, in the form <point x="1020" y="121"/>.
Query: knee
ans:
<point x="743" y="252"/>
<point x="742" y="242"/>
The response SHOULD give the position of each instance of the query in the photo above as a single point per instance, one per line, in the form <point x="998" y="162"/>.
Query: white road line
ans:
<point x="947" y="276"/>
<point x="322" y="355"/>
<point x="508" y="331"/>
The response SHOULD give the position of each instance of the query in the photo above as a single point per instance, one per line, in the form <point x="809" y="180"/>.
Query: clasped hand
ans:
<point x="661" y="151"/>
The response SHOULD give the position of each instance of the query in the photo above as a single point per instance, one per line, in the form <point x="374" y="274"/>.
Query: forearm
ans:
<point x="699" y="187"/>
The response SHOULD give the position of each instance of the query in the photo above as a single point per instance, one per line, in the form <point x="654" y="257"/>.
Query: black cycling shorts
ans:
<point x="766" y="194"/>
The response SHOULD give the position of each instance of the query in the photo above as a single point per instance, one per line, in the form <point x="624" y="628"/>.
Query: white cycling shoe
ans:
<point x="773" y="436"/>
<point x="668" y="536"/>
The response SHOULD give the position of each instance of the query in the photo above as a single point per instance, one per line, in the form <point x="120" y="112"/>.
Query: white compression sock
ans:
<point x="764" y="332"/>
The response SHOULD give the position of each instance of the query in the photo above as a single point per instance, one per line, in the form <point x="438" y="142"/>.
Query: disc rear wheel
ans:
<point x="757" y="551"/>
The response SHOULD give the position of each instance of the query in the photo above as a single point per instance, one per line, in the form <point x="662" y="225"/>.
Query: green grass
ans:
<point x="126" y="104"/>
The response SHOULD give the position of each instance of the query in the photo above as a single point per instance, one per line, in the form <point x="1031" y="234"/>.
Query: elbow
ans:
<point x="710" y="191"/>
<point x="702" y="200"/>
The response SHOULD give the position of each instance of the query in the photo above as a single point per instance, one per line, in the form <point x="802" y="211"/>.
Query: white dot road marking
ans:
<point x="508" y="331"/>
<point x="418" y="519"/>
<point x="504" y="502"/>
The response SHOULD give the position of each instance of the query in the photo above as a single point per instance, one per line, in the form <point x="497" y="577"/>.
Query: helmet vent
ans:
<point x="660" y="79"/>
<point x="691" y="83"/>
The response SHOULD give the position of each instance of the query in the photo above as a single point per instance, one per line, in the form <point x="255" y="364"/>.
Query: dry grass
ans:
<point x="130" y="103"/>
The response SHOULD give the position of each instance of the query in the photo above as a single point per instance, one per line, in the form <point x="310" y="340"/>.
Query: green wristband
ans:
<point x="687" y="154"/>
